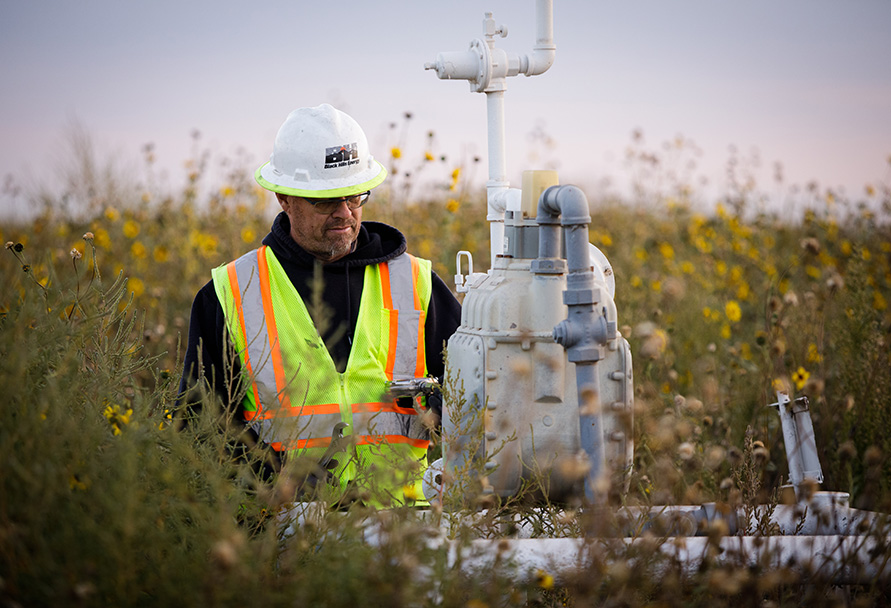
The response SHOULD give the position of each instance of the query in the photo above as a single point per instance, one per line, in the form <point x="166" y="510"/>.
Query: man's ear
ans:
<point x="283" y="201"/>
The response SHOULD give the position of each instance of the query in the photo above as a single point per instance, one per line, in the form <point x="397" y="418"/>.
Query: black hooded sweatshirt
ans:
<point x="341" y="294"/>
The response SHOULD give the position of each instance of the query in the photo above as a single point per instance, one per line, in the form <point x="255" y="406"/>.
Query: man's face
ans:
<point x="328" y="237"/>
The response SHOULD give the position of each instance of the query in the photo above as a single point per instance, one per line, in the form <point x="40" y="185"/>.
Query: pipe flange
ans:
<point x="481" y="49"/>
<point x="576" y="297"/>
<point x="585" y="354"/>
<point x="548" y="266"/>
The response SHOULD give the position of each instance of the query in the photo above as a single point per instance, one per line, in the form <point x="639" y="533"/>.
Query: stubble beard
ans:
<point x="337" y="247"/>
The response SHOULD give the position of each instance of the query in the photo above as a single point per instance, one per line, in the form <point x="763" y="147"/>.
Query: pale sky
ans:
<point x="804" y="82"/>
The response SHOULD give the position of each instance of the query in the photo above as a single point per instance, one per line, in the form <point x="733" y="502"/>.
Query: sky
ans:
<point x="806" y="83"/>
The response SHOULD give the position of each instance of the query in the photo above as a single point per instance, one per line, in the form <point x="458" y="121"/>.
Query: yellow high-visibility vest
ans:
<point x="295" y="395"/>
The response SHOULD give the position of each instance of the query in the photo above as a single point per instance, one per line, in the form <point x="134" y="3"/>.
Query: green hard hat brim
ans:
<point x="351" y="190"/>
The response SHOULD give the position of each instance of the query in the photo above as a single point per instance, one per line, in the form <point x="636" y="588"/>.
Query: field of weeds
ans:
<point x="107" y="497"/>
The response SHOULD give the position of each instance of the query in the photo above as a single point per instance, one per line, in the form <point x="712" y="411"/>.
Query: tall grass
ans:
<point x="113" y="496"/>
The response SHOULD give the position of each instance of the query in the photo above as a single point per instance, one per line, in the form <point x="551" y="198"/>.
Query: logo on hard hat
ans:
<point x="341" y="156"/>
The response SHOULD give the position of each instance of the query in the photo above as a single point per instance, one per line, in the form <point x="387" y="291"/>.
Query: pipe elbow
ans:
<point x="567" y="202"/>
<point x="539" y="62"/>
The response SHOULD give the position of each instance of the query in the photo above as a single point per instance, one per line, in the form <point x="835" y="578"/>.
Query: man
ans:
<point x="316" y="321"/>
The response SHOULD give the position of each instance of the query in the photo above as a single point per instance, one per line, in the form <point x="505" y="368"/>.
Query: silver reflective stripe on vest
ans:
<point x="402" y="293"/>
<point x="269" y="425"/>
<point x="256" y="337"/>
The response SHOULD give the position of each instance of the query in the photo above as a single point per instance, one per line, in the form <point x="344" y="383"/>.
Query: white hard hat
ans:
<point x="320" y="153"/>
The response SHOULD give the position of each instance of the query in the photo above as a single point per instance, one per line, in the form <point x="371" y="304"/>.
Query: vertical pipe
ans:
<point x="497" y="171"/>
<point x="544" y="24"/>
<point x="591" y="430"/>
<point x="584" y="331"/>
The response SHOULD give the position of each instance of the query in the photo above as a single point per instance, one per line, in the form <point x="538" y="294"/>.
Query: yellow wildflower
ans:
<point x="76" y="483"/>
<point x="780" y="385"/>
<point x="733" y="311"/>
<point x="136" y="285"/>
<point x="137" y="250"/>
<point x="800" y="377"/>
<point x="428" y="156"/>
<point x="160" y="254"/>
<point x="411" y="493"/>
<point x="813" y="353"/>
<point x="396" y="152"/>
<point x="878" y="301"/>
<point x="666" y="250"/>
<point x="131" y="229"/>
<point x="117" y="418"/>
<point x="725" y="331"/>
<point x="452" y="205"/>
<point x="102" y="239"/>
<point x="544" y="580"/>
<point x="227" y="191"/>
<point x="112" y="214"/>
<point x="248" y="235"/>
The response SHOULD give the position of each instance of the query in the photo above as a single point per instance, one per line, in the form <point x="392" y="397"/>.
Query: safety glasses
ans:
<point x="327" y="206"/>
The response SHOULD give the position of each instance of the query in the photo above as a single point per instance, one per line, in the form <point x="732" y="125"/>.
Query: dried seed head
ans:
<point x="835" y="282"/>
<point x="808" y="488"/>
<point x="224" y="554"/>
<point x="715" y="456"/>
<point x="590" y="401"/>
<point x="810" y="245"/>
<point x="847" y="451"/>
<point x="762" y="455"/>
<point x="814" y="386"/>
<point x="686" y="451"/>
<point x="873" y="456"/>
<point x="76" y="254"/>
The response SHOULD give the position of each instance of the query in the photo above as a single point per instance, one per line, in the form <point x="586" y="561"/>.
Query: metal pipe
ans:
<point x="585" y="330"/>
<point x="497" y="183"/>
<point x="544" y="52"/>
<point x="839" y="559"/>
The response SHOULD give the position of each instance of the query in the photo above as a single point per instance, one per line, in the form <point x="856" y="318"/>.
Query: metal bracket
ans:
<point x="463" y="282"/>
<point x="798" y="437"/>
